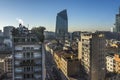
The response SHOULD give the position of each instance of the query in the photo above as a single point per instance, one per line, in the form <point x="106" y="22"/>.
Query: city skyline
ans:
<point x="82" y="15"/>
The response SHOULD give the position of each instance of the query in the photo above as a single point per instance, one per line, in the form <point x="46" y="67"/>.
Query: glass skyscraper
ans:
<point x="61" y="24"/>
<point x="117" y="23"/>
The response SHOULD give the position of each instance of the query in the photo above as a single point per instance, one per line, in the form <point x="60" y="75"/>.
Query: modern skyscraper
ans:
<point x="92" y="55"/>
<point x="117" y="23"/>
<point x="28" y="55"/>
<point x="61" y="24"/>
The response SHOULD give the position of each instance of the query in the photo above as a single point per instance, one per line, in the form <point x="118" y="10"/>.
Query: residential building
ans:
<point x="8" y="67"/>
<point x="28" y="55"/>
<point x="49" y="35"/>
<point x="1" y="33"/>
<point x="117" y="63"/>
<point x="1" y="67"/>
<point x="76" y="35"/>
<point x="65" y="62"/>
<point x="7" y="32"/>
<point x="110" y="62"/>
<point x="92" y="55"/>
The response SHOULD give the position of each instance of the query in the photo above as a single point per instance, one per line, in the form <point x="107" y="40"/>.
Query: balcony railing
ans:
<point x="18" y="70"/>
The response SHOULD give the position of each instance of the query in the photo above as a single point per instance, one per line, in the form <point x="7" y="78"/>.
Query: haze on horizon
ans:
<point x="85" y="15"/>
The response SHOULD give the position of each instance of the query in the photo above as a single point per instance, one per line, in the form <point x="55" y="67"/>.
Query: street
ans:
<point x="50" y="75"/>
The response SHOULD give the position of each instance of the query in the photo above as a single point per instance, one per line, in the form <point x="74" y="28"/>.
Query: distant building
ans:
<point x="49" y="35"/>
<point x="110" y="35"/>
<point x="28" y="55"/>
<point x="7" y="31"/>
<point x="76" y="35"/>
<point x="117" y="23"/>
<point x="1" y="33"/>
<point x="92" y="55"/>
<point x="61" y="25"/>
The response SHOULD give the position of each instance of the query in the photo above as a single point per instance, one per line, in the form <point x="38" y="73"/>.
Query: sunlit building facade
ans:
<point x="92" y="56"/>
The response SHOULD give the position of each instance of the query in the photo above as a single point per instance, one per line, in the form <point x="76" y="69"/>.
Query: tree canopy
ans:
<point x="39" y="31"/>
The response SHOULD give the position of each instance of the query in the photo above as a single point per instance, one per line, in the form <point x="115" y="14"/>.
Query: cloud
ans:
<point x="20" y="21"/>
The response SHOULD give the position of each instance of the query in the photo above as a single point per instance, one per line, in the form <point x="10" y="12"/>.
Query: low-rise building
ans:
<point x="110" y="63"/>
<point x="117" y="63"/>
<point x="65" y="62"/>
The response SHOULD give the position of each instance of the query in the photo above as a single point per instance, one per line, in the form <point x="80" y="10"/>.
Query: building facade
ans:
<point x="7" y="32"/>
<point x="67" y="63"/>
<point x="49" y="35"/>
<point x="28" y="55"/>
<point x="117" y="63"/>
<point x="8" y="67"/>
<point x="61" y="25"/>
<point x="92" y="55"/>
<point x="110" y="63"/>
<point x="117" y="23"/>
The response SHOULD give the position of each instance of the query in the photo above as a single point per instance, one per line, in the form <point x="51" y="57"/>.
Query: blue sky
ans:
<point x="82" y="14"/>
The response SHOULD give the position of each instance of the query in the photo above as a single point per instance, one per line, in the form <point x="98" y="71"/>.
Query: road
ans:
<point x="51" y="70"/>
<point x="49" y="67"/>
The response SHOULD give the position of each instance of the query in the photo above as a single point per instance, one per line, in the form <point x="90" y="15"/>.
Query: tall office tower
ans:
<point x="28" y="55"/>
<point x="117" y="23"/>
<point x="61" y="24"/>
<point x="92" y="55"/>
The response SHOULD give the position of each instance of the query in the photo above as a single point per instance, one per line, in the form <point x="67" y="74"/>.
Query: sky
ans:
<point x="84" y="15"/>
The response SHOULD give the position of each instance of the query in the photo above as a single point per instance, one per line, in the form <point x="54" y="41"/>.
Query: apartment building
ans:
<point x="8" y="67"/>
<point x="110" y="62"/>
<point x="91" y="53"/>
<point x="28" y="55"/>
<point x="65" y="62"/>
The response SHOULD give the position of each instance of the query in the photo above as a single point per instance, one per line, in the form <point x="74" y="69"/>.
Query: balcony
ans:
<point x="26" y="43"/>
<point x="37" y="69"/>
<point x="37" y="55"/>
<point x="18" y="77"/>
<point x="18" y="56"/>
<point x="18" y="70"/>
<point x="17" y="63"/>
<point x="38" y="76"/>
<point x="26" y="50"/>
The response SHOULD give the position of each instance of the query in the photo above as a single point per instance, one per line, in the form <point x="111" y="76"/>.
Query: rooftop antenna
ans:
<point x="28" y="26"/>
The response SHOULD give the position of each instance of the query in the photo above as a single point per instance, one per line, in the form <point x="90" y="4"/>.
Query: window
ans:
<point x="28" y="40"/>
<point x="33" y="40"/>
<point x="22" y="40"/>
<point x="27" y="48"/>
<point x="28" y="55"/>
<point x="28" y="69"/>
<point x="32" y="55"/>
<point x="23" y="48"/>
<point x="32" y="48"/>
<point x="24" y="55"/>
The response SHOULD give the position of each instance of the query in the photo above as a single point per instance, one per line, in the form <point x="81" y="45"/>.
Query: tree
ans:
<point x="39" y="31"/>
